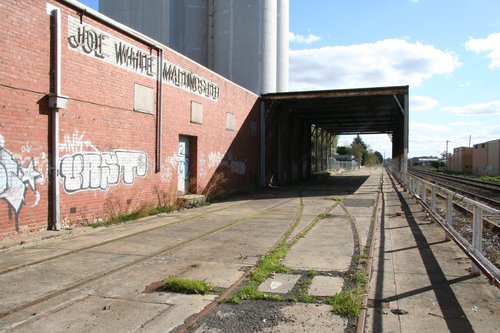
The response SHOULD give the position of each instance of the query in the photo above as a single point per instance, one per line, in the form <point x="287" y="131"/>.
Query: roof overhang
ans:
<point x="346" y="111"/>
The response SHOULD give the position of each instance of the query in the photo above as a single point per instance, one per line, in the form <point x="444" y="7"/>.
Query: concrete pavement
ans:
<point x="95" y="280"/>
<point x="421" y="282"/>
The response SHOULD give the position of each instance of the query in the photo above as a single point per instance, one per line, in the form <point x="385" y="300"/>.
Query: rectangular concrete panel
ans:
<point x="97" y="314"/>
<point x="279" y="283"/>
<point x="325" y="286"/>
<point x="143" y="98"/>
<point x="196" y="113"/>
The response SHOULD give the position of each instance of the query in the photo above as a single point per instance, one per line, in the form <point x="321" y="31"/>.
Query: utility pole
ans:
<point x="447" y="152"/>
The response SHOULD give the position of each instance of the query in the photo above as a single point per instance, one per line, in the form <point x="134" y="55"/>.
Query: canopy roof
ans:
<point x="347" y="111"/>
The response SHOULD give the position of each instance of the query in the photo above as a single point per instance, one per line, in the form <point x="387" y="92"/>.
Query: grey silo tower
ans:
<point x="245" y="41"/>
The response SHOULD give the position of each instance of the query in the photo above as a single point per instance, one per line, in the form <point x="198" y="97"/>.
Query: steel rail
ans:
<point x="490" y="187"/>
<point x="100" y="275"/>
<point x="468" y="181"/>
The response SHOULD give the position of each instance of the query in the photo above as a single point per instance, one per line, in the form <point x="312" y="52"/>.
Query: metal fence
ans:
<point x="427" y="193"/>
<point x="333" y="164"/>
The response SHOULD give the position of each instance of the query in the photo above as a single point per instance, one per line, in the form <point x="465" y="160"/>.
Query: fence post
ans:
<point x="424" y="193"/>
<point x="433" y="198"/>
<point x="477" y="234"/>
<point x="449" y="213"/>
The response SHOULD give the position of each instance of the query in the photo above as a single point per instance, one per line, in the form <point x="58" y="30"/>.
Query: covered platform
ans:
<point x="298" y="128"/>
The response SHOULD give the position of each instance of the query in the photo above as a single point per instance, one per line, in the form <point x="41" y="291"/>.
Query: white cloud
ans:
<point x="426" y="128"/>
<point x="490" y="44"/>
<point x="422" y="103"/>
<point x="480" y="109"/>
<point x="466" y="123"/>
<point x="296" y="38"/>
<point x="383" y="63"/>
<point x="486" y="133"/>
<point x="430" y="140"/>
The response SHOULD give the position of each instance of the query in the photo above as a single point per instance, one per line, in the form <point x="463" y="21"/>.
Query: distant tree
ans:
<point x="358" y="140"/>
<point x="342" y="150"/>
<point x="379" y="156"/>
<point x="370" y="159"/>
<point x="358" y="151"/>
<point x="435" y="164"/>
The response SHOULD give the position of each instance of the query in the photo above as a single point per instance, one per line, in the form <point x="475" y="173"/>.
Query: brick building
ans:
<point x="97" y="119"/>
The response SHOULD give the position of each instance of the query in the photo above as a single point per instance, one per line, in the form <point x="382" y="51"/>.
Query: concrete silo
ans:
<point x="244" y="41"/>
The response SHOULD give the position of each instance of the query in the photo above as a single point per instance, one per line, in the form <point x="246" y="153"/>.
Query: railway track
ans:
<point x="113" y="256"/>
<point x="488" y="193"/>
<point x="189" y="238"/>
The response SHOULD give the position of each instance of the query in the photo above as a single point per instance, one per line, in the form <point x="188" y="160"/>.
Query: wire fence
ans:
<point x="328" y="164"/>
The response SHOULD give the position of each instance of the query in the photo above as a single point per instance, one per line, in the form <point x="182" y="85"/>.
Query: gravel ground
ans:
<point x="269" y="316"/>
<point x="250" y="316"/>
<point x="462" y="223"/>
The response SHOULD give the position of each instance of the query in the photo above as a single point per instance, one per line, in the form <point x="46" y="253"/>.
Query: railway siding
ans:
<point x="116" y="266"/>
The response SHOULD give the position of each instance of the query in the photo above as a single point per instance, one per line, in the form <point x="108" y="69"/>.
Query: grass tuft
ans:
<point x="186" y="286"/>
<point x="121" y="218"/>
<point x="346" y="303"/>
<point x="491" y="179"/>
<point x="267" y="265"/>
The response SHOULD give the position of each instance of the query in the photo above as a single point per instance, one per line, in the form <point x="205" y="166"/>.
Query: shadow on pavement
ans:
<point x="451" y="310"/>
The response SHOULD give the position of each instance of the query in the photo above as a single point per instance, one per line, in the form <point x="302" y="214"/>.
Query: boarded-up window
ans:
<point x="230" y="121"/>
<point x="143" y="99"/>
<point x="196" y="113"/>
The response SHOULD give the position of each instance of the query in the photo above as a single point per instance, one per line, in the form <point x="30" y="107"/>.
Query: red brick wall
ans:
<point x="107" y="150"/>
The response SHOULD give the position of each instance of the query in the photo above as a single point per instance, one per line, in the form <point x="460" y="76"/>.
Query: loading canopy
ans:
<point x="337" y="112"/>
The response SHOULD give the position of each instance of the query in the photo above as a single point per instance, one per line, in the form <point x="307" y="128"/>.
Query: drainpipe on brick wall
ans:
<point x="56" y="102"/>
<point x="159" y="106"/>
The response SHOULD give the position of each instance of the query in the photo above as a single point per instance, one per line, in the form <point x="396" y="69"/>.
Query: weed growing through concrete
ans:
<point x="303" y="296"/>
<point x="362" y="258"/>
<point x="324" y="215"/>
<point x="267" y="265"/>
<point x="186" y="286"/>
<point x="347" y="303"/>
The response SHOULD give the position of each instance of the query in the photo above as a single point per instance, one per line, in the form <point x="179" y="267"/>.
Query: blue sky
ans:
<point x="447" y="51"/>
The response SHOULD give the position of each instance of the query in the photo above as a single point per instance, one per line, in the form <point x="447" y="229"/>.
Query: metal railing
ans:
<point x="333" y="164"/>
<point x="427" y="192"/>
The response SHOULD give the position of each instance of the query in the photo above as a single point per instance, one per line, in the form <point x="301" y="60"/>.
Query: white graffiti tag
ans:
<point x="214" y="159"/>
<point x="92" y="171"/>
<point x="14" y="179"/>
<point x="75" y="143"/>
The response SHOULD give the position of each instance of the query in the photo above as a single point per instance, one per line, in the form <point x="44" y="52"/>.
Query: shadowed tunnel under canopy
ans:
<point x="291" y="120"/>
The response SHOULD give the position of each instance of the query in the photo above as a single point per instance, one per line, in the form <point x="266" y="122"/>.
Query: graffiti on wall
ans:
<point x="75" y="143"/>
<point x="15" y="178"/>
<point x="100" y="170"/>
<point x="214" y="159"/>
